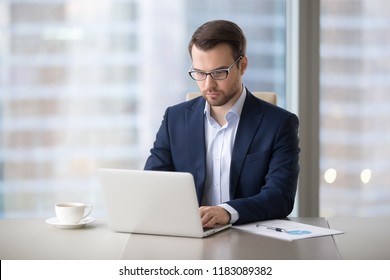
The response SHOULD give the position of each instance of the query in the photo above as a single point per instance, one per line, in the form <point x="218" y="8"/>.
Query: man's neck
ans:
<point x="218" y="113"/>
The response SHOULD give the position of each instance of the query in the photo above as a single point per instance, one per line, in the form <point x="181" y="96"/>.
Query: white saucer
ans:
<point x="55" y="222"/>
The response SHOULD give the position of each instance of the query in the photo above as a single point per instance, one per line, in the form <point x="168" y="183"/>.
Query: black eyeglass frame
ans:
<point x="213" y="74"/>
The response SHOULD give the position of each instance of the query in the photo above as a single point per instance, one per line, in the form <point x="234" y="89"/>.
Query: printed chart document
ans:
<point x="286" y="230"/>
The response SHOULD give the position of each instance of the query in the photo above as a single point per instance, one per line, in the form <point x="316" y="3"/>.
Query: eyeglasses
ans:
<point x="219" y="74"/>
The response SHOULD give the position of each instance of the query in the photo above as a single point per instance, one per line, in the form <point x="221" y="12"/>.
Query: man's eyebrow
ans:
<point x="215" y="69"/>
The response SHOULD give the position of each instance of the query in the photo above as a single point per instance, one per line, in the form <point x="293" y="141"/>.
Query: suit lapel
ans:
<point x="250" y="120"/>
<point x="196" y="141"/>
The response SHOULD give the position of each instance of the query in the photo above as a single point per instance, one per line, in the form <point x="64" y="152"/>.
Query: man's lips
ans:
<point x="212" y="94"/>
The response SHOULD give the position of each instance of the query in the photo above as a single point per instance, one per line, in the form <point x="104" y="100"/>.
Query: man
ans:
<point x="242" y="152"/>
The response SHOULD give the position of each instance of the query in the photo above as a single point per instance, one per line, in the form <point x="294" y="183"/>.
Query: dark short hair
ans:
<point x="213" y="33"/>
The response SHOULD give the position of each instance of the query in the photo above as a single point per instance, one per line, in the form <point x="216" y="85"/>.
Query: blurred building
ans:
<point x="355" y="108"/>
<point x="84" y="84"/>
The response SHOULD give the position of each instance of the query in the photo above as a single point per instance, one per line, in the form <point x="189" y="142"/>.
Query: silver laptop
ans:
<point x="152" y="202"/>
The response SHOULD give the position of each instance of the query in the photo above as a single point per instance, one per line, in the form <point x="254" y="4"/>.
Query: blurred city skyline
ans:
<point x="84" y="84"/>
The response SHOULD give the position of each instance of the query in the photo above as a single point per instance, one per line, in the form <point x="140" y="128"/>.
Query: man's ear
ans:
<point x="243" y="64"/>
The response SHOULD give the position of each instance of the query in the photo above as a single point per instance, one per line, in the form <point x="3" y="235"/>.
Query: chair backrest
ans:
<point x="266" y="96"/>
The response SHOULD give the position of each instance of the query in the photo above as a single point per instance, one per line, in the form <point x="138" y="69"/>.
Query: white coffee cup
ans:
<point x="72" y="212"/>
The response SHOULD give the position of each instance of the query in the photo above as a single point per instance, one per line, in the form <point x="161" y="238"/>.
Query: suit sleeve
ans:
<point x="275" y="193"/>
<point x="160" y="157"/>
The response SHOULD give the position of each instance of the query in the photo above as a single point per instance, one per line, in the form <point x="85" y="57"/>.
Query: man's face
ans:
<point x="219" y="92"/>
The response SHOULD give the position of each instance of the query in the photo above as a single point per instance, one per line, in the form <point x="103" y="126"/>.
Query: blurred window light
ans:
<point x="365" y="176"/>
<point x="330" y="175"/>
<point x="63" y="33"/>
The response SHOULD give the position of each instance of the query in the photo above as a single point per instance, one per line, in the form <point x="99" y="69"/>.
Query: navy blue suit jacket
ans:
<point x="264" y="165"/>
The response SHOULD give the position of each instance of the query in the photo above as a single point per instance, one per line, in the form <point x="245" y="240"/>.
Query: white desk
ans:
<point x="364" y="238"/>
<point x="34" y="239"/>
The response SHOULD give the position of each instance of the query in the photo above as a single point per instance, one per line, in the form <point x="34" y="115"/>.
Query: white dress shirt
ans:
<point x="219" y="147"/>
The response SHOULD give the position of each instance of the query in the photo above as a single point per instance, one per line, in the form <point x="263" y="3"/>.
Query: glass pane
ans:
<point x="84" y="84"/>
<point x="355" y="108"/>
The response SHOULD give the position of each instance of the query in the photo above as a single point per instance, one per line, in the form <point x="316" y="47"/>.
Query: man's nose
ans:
<point x="209" y="81"/>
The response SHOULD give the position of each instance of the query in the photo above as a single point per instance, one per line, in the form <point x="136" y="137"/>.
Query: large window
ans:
<point x="84" y="84"/>
<point x="355" y="108"/>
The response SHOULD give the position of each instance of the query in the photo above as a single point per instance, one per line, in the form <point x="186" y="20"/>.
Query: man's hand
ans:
<point x="214" y="215"/>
